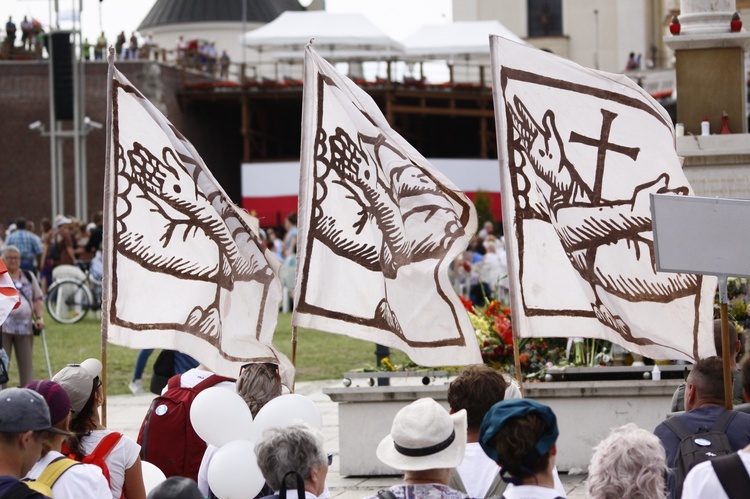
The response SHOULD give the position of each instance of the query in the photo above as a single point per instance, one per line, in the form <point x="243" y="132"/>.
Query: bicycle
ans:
<point x="73" y="293"/>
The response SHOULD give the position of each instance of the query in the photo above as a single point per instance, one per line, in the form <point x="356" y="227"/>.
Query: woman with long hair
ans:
<point x="77" y="480"/>
<point x="84" y="388"/>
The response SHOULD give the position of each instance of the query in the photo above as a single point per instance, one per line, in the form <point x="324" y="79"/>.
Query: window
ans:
<point x="545" y="17"/>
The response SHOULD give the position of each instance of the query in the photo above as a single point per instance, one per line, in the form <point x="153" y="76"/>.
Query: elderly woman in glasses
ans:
<point x="17" y="330"/>
<point x="84" y="388"/>
<point x="293" y="461"/>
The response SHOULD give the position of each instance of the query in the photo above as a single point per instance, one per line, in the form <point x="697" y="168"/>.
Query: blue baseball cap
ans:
<point x="500" y="413"/>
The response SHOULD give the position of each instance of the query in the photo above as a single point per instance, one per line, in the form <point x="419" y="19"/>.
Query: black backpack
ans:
<point x="698" y="447"/>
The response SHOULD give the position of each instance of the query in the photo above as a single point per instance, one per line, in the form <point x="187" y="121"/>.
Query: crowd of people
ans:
<point x="481" y="272"/>
<point x="491" y="442"/>
<point x="32" y="259"/>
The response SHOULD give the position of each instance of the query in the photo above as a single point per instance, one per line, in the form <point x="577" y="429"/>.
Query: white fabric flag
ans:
<point x="182" y="268"/>
<point x="378" y="229"/>
<point x="9" y="297"/>
<point x="580" y="151"/>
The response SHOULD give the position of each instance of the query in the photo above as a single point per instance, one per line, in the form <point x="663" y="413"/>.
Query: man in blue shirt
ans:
<point x="28" y="244"/>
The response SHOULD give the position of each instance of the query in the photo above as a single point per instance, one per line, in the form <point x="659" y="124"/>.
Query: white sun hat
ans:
<point x="424" y="437"/>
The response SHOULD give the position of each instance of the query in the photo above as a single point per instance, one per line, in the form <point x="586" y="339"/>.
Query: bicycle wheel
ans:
<point x="68" y="300"/>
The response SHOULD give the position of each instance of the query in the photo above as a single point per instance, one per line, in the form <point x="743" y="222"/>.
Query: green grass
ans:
<point x="319" y="355"/>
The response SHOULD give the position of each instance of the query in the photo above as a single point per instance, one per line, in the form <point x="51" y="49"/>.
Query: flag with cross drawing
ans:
<point x="580" y="152"/>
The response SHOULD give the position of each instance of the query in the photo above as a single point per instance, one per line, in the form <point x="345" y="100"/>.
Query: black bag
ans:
<point x="731" y="472"/>
<point x="37" y="331"/>
<point x="163" y="370"/>
<point x="696" y="448"/>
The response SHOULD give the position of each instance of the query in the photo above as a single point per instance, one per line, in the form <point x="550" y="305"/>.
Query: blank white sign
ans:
<point x="697" y="235"/>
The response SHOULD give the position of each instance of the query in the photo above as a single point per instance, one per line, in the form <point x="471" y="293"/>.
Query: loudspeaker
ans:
<point x="62" y="75"/>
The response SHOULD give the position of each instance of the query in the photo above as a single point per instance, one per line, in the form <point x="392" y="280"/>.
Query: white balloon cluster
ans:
<point x="223" y="419"/>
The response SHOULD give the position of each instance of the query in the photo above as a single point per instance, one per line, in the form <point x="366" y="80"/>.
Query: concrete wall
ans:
<point x="586" y="412"/>
<point x="624" y="26"/>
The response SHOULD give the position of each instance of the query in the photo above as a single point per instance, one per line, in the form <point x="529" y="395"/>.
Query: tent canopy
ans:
<point x="467" y="40"/>
<point x="291" y="31"/>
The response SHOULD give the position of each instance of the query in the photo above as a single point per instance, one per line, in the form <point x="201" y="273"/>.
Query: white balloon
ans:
<point x="234" y="473"/>
<point x="219" y="416"/>
<point x="152" y="476"/>
<point x="284" y="411"/>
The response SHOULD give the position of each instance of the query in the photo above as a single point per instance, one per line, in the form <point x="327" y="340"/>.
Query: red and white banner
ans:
<point x="9" y="297"/>
<point x="269" y="190"/>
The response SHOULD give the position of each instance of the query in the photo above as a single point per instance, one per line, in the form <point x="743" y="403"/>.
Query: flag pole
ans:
<point x="507" y="200"/>
<point x="725" y="352"/>
<point x="294" y="355"/>
<point x="109" y="177"/>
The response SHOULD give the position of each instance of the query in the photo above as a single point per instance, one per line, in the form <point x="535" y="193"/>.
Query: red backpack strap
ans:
<point x="212" y="380"/>
<point x="106" y="445"/>
<point x="102" y="451"/>
<point x="174" y="382"/>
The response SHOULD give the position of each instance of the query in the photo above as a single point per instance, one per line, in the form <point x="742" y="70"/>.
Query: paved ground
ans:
<point x="126" y="412"/>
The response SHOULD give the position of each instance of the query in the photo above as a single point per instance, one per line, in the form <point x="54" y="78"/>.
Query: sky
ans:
<point x="398" y="18"/>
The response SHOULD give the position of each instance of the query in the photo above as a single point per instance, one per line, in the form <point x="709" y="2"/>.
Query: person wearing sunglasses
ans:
<point x="123" y="463"/>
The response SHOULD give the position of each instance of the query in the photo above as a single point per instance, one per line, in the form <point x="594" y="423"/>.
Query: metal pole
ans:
<point x="59" y="166"/>
<point x="76" y="129"/>
<point x="52" y="133"/>
<point x="244" y="30"/>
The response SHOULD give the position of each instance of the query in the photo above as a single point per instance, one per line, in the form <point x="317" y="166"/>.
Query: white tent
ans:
<point x="291" y="31"/>
<point x="462" y="40"/>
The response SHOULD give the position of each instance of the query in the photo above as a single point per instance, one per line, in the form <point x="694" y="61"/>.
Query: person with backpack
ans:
<point x="56" y="475"/>
<point x="24" y="421"/>
<point x="117" y="455"/>
<point x="167" y="437"/>
<point x="706" y="429"/>
<point x="721" y="477"/>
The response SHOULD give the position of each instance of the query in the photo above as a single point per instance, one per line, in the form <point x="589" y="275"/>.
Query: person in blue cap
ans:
<point x="520" y="435"/>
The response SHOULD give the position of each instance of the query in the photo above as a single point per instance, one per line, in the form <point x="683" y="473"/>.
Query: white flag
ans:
<point x="379" y="227"/>
<point x="580" y="151"/>
<point x="9" y="297"/>
<point x="182" y="269"/>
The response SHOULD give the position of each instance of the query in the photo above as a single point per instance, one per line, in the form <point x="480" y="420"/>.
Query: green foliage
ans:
<point x="483" y="205"/>
<point x="319" y="355"/>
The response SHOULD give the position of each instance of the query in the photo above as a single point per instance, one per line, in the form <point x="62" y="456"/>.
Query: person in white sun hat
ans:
<point x="425" y="443"/>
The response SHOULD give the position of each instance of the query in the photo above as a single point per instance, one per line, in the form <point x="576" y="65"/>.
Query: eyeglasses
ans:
<point x="330" y="459"/>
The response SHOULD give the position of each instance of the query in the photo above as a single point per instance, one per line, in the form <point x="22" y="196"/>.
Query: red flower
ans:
<point x="523" y="358"/>
<point x="504" y="329"/>
<point x="467" y="303"/>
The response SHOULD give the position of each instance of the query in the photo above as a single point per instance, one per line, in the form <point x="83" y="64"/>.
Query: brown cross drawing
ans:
<point x="603" y="145"/>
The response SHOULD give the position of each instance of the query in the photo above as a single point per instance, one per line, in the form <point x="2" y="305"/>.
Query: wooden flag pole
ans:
<point x="725" y="349"/>
<point x="517" y="361"/>
<point x="294" y="355"/>
<point x="107" y="224"/>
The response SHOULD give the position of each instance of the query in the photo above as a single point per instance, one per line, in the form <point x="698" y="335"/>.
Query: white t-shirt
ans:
<point x="122" y="457"/>
<point x="203" y="470"/>
<point x="81" y="480"/>
<point x="531" y="492"/>
<point x="194" y="376"/>
<point x="477" y="472"/>
<point x="702" y="481"/>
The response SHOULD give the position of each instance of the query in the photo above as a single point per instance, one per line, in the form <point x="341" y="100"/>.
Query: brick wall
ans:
<point x="25" y="154"/>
